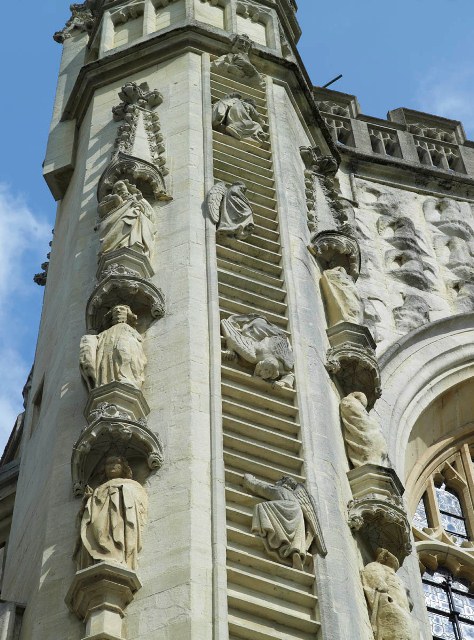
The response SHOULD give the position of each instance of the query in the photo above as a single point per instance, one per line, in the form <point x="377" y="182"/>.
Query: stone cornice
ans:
<point x="192" y="37"/>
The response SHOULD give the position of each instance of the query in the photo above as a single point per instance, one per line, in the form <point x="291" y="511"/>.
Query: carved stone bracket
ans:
<point x="130" y="439"/>
<point x="145" y="300"/>
<point x="337" y="249"/>
<point x="351" y="360"/>
<point x="377" y="512"/>
<point x="145" y="175"/>
<point x="99" y="595"/>
<point x="124" y="262"/>
<point x="117" y="401"/>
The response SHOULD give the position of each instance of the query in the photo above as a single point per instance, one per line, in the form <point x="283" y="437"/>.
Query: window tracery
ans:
<point x="450" y="605"/>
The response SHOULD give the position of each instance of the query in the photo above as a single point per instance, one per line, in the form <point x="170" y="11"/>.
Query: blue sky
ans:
<point x="417" y="54"/>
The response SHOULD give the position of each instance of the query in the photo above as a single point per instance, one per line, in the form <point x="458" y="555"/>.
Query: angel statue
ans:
<point x="116" y="354"/>
<point x="238" y="117"/>
<point x="258" y="342"/>
<point x="230" y="210"/>
<point x="126" y="220"/>
<point x="287" y="523"/>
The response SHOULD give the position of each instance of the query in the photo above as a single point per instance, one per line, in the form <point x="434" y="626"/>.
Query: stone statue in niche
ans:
<point x="343" y="302"/>
<point x="238" y="117"/>
<point x="414" y="312"/>
<point x="236" y="64"/>
<point x="258" y="342"/>
<point x="287" y="523"/>
<point x="230" y="210"/>
<point x="112" y="518"/>
<point x="387" y="599"/>
<point x="365" y="443"/>
<point x="126" y="220"/>
<point x="116" y="354"/>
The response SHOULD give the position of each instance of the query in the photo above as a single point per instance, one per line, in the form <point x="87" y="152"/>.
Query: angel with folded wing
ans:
<point x="287" y="522"/>
<point x="230" y="210"/>
<point x="256" y="341"/>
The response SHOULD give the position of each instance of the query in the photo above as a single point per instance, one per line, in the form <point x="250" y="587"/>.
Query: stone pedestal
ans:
<point x="99" y="595"/>
<point x="116" y="400"/>
<point x="377" y="511"/>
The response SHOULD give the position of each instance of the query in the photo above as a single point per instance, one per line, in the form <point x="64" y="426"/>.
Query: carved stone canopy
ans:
<point x="352" y="362"/>
<point x="377" y="512"/>
<point x="336" y="249"/>
<point x="143" y="174"/>
<point x="145" y="300"/>
<point x="116" y="400"/>
<point x="124" y="262"/>
<point x="117" y="436"/>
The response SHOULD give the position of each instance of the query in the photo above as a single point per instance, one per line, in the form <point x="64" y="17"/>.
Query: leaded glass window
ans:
<point x="450" y="509"/>
<point x="450" y="606"/>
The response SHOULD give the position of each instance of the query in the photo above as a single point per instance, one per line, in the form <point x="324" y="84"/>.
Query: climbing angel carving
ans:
<point x="230" y="210"/>
<point x="258" y="342"/>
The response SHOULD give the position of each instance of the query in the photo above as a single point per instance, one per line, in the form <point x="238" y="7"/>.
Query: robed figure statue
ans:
<point x="238" y="117"/>
<point x="112" y="518"/>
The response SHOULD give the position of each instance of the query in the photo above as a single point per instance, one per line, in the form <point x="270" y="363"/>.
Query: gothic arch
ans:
<point x="417" y="370"/>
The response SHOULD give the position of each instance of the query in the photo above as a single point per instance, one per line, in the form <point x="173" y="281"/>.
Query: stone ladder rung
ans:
<point x="231" y="85"/>
<point x="240" y="427"/>
<point x="266" y="212"/>
<point x="257" y="240"/>
<point x="247" y="248"/>
<point x="258" y="398"/>
<point x="242" y="556"/>
<point x="249" y="627"/>
<point x="231" y="174"/>
<point x="249" y="273"/>
<point x="235" y="256"/>
<point x="252" y="300"/>
<point x="270" y="609"/>
<point x="229" y="306"/>
<point x="268" y="454"/>
<point x="228" y="149"/>
<point x="247" y="463"/>
<point x="252" y="579"/>
<point x="248" y="168"/>
<point x="262" y="151"/>
<point x="245" y="377"/>
<point x="259" y="417"/>
<point x="240" y="516"/>
<point x="251" y="284"/>
<point x="266" y="223"/>
<point x="262" y="231"/>
<point x="264" y="454"/>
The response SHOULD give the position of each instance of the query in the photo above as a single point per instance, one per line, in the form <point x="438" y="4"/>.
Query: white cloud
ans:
<point x="23" y="245"/>
<point x="449" y="91"/>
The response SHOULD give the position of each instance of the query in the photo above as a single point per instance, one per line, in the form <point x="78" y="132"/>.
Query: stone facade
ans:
<point x="250" y="413"/>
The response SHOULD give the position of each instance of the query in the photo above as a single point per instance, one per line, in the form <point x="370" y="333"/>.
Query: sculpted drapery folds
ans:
<point x="238" y="117"/>
<point x="287" y="523"/>
<point x="343" y="303"/>
<point x="365" y="443"/>
<point x="258" y="342"/>
<point x="387" y="600"/>
<point x="127" y="220"/>
<point x="116" y="354"/>
<point x="112" y="518"/>
<point x="230" y="210"/>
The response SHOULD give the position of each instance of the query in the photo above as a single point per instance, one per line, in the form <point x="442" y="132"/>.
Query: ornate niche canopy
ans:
<point x="112" y="431"/>
<point x="145" y="300"/>
<point x="336" y="249"/>
<point x="144" y="175"/>
<point x="351" y="360"/>
<point x="377" y="512"/>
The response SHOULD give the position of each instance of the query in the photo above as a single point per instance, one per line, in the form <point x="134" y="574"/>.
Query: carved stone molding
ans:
<point x="337" y="249"/>
<point x="81" y="19"/>
<point x="145" y="300"/>
<point x="352" y="362"/>
<point x="99" y="596"/>
<point x="124" y="262"/>
<point x="116" y="401"/>
<point x="107" y="434"/>
<point x="377" y="512"/>
<point x="317" y="167"/>
<point x="145" y="175"/>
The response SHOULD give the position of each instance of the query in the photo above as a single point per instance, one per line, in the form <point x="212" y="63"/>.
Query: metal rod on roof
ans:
<point x="325" y="86"/>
